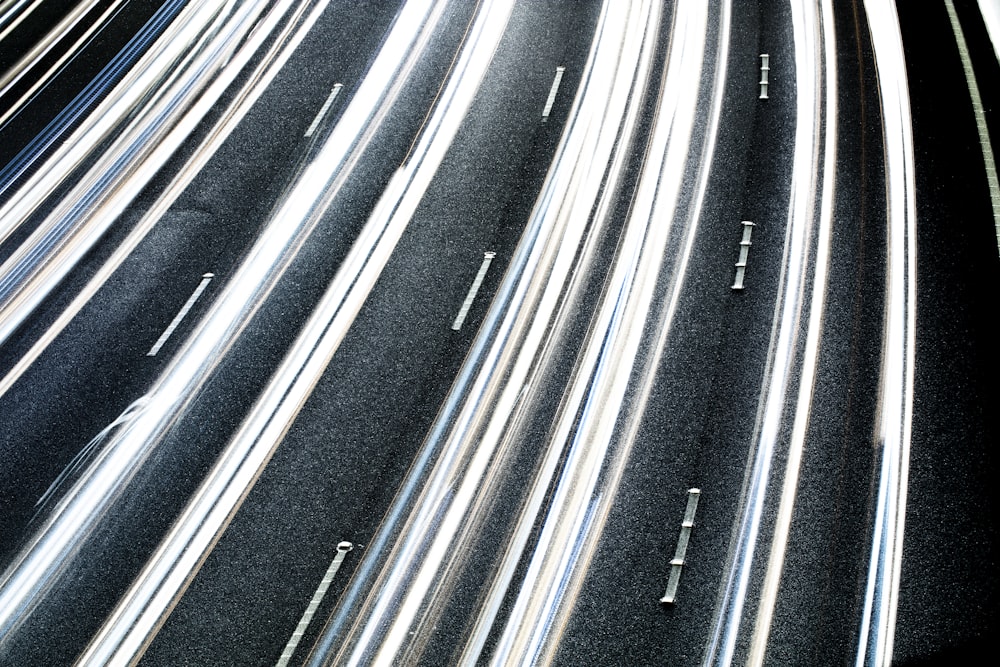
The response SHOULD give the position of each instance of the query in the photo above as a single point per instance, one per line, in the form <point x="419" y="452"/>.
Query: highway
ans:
<point x="436" y="332"/>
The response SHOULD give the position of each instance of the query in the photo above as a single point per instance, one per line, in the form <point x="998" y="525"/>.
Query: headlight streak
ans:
<point x="979" y="112"/>
<point x="277" y="55"/>
<point x="598" y="421"/>
<point x="821" y="68"/>
<point x="895" y="407"/>
<point x="791" y="362"/>
<point x="17" y="71"/>
<point x="144" y="608"/>
<point x="12" y="13"/>
<point x="39" y="564"/>
<point x="420" y="553"/>
<point x="88" y="210"/>
<point x="79" y="105"/>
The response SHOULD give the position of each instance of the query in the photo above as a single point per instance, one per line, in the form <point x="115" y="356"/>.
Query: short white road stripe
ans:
<point x="205" y="280"/>
<point x="322" y="111"/>
<point x="317" y="597"/>
<point x="741" y="263"/>
<point x="552" y="92"/>
<point x="765" y="67"/>
<point x="682" y="544"/>
<point x="473" y="290"/>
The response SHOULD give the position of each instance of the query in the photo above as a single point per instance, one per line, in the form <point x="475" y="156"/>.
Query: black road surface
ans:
<point x="338" y="468"/>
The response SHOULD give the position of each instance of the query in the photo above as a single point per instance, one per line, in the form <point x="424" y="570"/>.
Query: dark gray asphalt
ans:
<point x="337" y="470"/>
<point x="98" y="366"/>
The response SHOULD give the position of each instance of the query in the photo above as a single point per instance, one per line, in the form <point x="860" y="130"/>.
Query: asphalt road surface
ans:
<point x="340" y="464"/>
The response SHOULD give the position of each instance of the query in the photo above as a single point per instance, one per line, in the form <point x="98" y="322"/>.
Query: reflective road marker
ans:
<point x="464" y="310"/>
<point x="317" y="597"/>
<point x="205" y="280"/>
<point x="682" y="544"/>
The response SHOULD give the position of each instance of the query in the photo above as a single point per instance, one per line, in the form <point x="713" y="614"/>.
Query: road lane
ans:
<point x="128" y="297"/>
<point x="176" y="561"/>
<point x="631" y="327"/>
<point x="414" y="303"/>
<point x="335" y="473"/>
<point x="947" y="615"/>
<point x="427" y="559"/>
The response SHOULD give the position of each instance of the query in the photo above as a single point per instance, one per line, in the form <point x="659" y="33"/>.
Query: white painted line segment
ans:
<point x="764" y="69"/>
<point x="473" y="290"/>
<point x="317" y="597"/>
<point x="205" y="280"/>
<point x="322" y="111"/>
<point x="552" y="92"/>
<point x="977" y="107"/>
<point x="741" y="263"/>
<point x="682" y="544"/>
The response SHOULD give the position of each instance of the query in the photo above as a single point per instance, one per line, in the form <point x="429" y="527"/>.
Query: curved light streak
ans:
<point x="148" y="72"/>
<point x="786" y="393"/>
<point x="598" y="421"/>
<point x="895" y="408"/>
<point x="44" y="45"/>
<point x="990" y="11"/>
<point x="17" y="71"/>
<point x="418" y="556"/>
<point x="826" y="112"/>
<point x="37" y="567"/>
<point x="143" y="609"/>
<point x="980" y="113"/>
<point x="12" y="13"/>
<point x="83" y="215"/>
<point x="300" y="21"/>
<point x="86" y="98"/>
